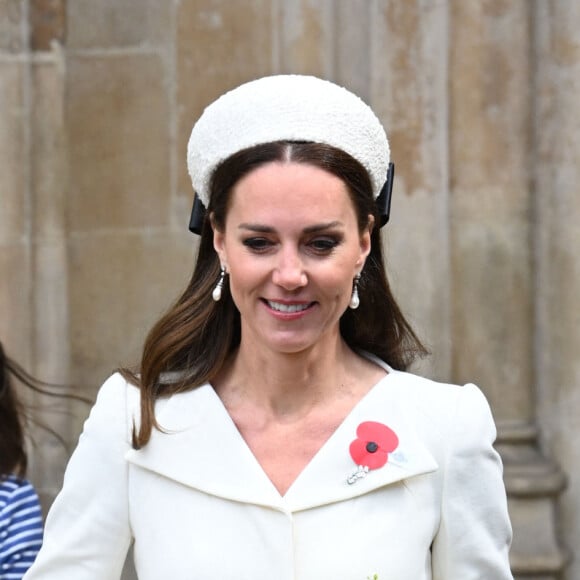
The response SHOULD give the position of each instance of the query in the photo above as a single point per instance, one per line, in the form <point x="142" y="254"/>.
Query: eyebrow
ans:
<point x="308" y="230"/>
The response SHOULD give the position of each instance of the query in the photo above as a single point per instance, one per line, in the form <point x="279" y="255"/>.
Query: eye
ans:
<point x="323" y="245"/>
<point x="257" y="244"/>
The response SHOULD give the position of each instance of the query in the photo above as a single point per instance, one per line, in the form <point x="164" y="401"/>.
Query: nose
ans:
<point x="289" y="271"/>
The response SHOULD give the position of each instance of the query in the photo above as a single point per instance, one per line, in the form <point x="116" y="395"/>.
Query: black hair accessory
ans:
<point x="383" y="202"/>
<point x="197" y="216"/>
<point x="384" y="198"/>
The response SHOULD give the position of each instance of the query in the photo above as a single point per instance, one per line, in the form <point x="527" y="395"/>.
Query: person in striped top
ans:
<point x="21" y="521"/>
<point x="20" y="513"/>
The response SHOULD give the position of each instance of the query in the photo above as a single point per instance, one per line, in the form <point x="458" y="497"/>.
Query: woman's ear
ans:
<point x="218" y="239"/>
<point x="365" y="240"/>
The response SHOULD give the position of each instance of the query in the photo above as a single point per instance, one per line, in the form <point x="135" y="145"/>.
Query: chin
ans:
<point x="293" y="346"/>
<point x="288" y="347"/>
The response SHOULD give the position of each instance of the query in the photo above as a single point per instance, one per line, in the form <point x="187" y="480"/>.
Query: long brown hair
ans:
<point x="13" y="458"/>
<point x="14" y="414"/>
<point x="189" y="345"/>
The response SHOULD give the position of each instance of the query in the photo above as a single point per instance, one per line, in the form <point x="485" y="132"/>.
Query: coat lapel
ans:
<point x="325" y="479"/>
<point x="202" y="448"/>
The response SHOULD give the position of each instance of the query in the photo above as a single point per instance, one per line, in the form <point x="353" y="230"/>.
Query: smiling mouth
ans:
<point x="290" y="308"/>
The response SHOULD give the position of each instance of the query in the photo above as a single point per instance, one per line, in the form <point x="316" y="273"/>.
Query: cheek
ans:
<point x="238" y="279"/>
<point x="337" y="282"/>
<point x="245" y="276"/>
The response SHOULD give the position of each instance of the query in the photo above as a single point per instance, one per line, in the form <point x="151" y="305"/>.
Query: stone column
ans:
<point x="15" y="317"/>
<point x="408" y="71"/>
<point x="48" y="235"/>
<point x="492" y="257"/>
<point x="557" y="241"/>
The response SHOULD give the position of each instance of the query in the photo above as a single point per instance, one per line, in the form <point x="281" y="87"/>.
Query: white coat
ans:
<point x="198" y="506"/>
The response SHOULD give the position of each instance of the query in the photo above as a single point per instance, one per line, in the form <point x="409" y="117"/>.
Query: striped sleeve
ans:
<point x="20" y="527"/>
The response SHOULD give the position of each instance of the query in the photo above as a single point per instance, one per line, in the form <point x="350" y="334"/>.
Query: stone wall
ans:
<point x="480" y="100"/>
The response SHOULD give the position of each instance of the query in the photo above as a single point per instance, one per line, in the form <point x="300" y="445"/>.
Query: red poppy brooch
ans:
<point x="370" y="450"/>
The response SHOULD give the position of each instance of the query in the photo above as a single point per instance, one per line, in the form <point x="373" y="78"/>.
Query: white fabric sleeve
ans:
<point x="87" y="533"/>
<point x="474" y="535"/>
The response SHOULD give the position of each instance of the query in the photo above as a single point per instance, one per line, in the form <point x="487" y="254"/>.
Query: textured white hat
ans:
<point x="286" y="107"/>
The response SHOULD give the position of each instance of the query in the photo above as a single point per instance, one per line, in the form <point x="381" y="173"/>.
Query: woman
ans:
<point x="271" y="431"/>
<point x="20" y="512"/>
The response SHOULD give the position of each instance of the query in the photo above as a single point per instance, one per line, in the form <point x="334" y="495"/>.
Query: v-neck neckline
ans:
<point x="237" y="434"/>
<point x="199" y="446"/>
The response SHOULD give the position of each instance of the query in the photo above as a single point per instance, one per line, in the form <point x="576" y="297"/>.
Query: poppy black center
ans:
<point x="372" y="447"/>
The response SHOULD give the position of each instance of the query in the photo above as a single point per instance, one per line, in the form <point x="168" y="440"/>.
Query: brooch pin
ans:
<point x="371" y="448"/>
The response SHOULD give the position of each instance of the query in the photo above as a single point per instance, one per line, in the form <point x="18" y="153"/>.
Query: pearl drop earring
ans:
<point x="354" y="299"/>
<point x="217" y="291"/>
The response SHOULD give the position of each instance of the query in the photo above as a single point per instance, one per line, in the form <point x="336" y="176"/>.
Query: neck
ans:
<point x="288" y="384"/>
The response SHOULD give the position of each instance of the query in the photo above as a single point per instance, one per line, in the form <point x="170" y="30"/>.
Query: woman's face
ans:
<point x="292" y="247"/>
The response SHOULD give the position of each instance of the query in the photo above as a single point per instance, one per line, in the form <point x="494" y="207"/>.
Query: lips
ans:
<point x="288" y="308"/>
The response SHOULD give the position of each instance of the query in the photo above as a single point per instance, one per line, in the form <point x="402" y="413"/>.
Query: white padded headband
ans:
<point x="286" y="107"/>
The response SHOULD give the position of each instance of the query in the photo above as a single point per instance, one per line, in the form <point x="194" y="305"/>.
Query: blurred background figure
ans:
<point x="21" y="522"/>
<point x="20" y="513"/>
